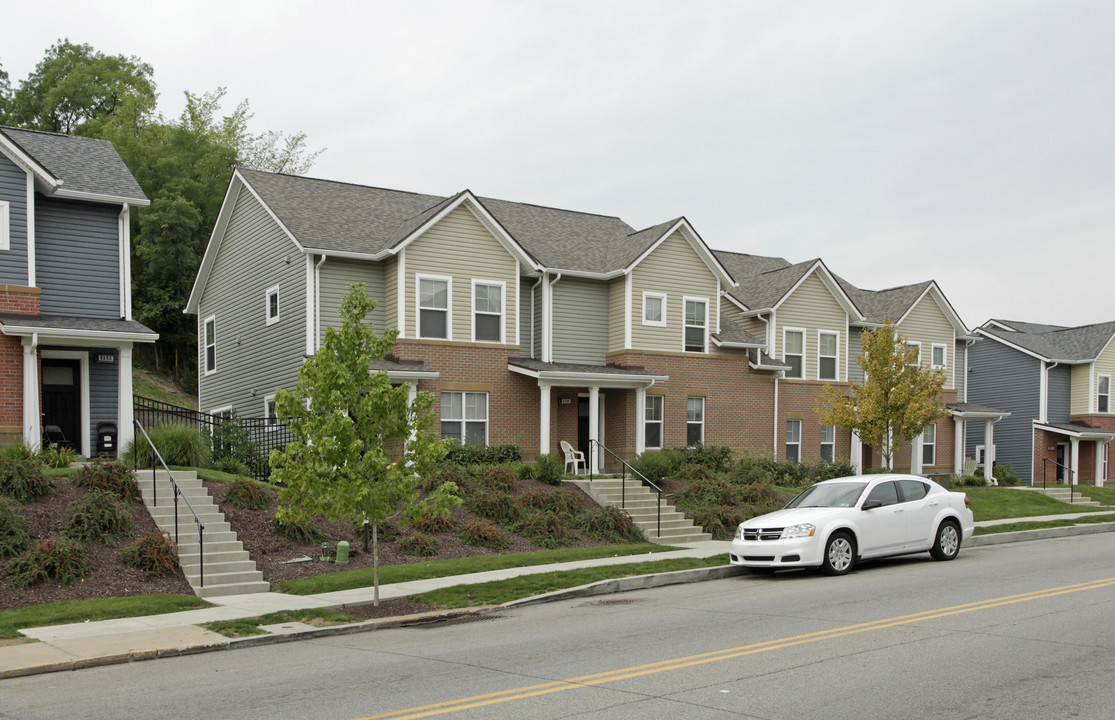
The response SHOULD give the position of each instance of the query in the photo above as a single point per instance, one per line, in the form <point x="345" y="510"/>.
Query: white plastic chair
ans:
<point x="576" y="458"/>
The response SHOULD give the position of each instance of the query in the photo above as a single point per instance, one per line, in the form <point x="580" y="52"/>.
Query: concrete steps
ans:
<point x="641" y="503"/>
<point x="228" y="569"/>
<point x="1063" y="494"/>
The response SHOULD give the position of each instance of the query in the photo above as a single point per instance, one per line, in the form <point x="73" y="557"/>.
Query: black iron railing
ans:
<point x="157" y="459"/>
<point x="625" y="468"/>
<point x="1069" y="475"/>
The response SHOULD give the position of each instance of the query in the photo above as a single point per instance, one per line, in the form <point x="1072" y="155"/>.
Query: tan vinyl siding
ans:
<point x="1105" y="365"/>
<point x="927" y="324"/>
<point x="391" y="291"/>
<point x="525" y="316"/>
<point x="812" y="307"/>
<point x="1082" y="389"/>
<point x="253" y="358"/>
<point x="461" y="248"/>
<point x="675" y="269"/>
<point x="580" y="321"/>
<point x="755" y="326"/>
<point x="337" y="277"/>
<point x="616" y="310"/>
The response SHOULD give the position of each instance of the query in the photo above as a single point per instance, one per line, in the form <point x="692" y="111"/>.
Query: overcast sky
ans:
<point x="968" y="142"/>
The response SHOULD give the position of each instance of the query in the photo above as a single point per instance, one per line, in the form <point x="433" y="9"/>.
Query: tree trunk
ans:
<point x="375" y="564"/>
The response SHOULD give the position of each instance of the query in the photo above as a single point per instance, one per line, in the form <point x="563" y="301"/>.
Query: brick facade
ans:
<point x="25" y="301"/>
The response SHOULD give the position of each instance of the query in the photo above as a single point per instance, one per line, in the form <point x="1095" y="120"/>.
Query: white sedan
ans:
<point x="836" y="523"/>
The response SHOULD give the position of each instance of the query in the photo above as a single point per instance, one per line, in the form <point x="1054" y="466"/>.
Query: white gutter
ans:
<point x="548" y="319"/>
<point x="125" y="231"/>
<point x="31" y="279"/>
<point x="98" y="197"/>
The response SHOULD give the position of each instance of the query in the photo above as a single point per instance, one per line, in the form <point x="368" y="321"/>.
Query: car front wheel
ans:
<point x="840" y="554"/>
<point x="947" y="544"/>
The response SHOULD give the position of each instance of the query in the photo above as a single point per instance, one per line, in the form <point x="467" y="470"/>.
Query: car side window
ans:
<point x="886" y="493"/>
<point x="912" y="490"/>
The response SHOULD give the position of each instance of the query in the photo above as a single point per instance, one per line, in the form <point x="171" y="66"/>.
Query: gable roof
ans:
<point x="1071" y="345"/>
<point x="70" y="166"/>
<point x="764" y="283"/>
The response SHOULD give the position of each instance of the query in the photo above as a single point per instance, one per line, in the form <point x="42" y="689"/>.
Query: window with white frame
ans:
<point x="654" y="309"/>
<point x="210" y="333"/>
<point x="696" y="324"/>
<point x="269" y="412"/>
<point x="1103" y="399"/>
<point x="793" y="352"/>
<point x="464" y="417"/>
<point x="652" y="423"/>
<point x="695" y="421"/>
<point x="5" y="222"/>
<point x="828" y="442"/>
<point x="940" y="356"/>
<point x="487" y="311"/>
<point x="793" y="440"/>
<point x="828" y="344"/>
<point x="929" y="445"/>
<point x="272" y="305"/>
<point x="981" y="454"/>
<point x="916" y="348"/>
<point x="434" y="307"/>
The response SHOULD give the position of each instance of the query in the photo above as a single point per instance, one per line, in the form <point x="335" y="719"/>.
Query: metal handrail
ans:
<point x="177" y="492"/>
<point x="623" y="483"/>
<point x="1071" y="476"/>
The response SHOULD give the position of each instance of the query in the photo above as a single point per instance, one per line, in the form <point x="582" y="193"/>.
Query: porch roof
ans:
<point x="972" y="411"/>
<point x="68" y="330"/>
<point x="1077" y="430"/>
<point x="404" y="371"/>
<point x="575" y="374"/>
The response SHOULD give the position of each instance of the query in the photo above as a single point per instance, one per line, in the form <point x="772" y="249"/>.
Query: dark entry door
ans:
<point x="62" y="398"/>
<point x="582" y="425"/>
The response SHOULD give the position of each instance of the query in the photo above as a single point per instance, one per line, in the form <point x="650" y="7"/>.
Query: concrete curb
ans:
<point x="1039" y="534"/>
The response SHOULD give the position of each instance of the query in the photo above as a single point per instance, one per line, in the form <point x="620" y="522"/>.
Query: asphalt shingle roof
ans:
<point x="1071" y="345"/>
<point x="732" y="333"/>
<point x="83" y="164"/>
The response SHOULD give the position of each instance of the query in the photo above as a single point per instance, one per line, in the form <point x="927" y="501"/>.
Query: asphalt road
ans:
<point x="1008" y="631"/>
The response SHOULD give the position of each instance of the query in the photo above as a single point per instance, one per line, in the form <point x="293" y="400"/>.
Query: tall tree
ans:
<point x="361" y="445"/>
<point x="76" y="88"/>
<point x="5" y="96"/>
<point x="896" y="400"/>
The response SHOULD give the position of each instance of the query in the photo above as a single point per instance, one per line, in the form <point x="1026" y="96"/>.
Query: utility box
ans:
<point x="342" y="553"/>
<point x="106" y="439"/>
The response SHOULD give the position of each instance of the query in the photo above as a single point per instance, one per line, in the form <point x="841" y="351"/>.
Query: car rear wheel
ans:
<point x="840" y="554"/>
<point x="947" y="544"/>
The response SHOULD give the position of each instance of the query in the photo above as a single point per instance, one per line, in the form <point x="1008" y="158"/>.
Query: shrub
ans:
<point x="18" y="451"/>
<point x="495" y="505"/>
<point x="497" y="477"/>
<point x="549" y="468"/>
<point x="545" y="529"/>
<point x="758" y="493"/>
<point x="100" y="515"/>
<point x="721" y="521"/>
<point x="231" y="444"/>
<point x="418" y="544"/>
<point x="433" y="523"/>
<point x="609" y="524"/>
<point x="483" y="534"/>
<point x="717" y="458"/>
<point x="750" y="469"/>
<point x="154" y="554"/>
<point x="15" y="531"/>
<point x="57" y="457"/>
<point x="110" y="476"/>
<point x="59" y="560"/>
<point x="386" y="531"/>
<point x="297" y="527"/>
<point x="563" y="501"/>
<point x="483" y="454"/>
<point x="446" y="473"/>
<point x="709" y="491"/>
<point x="524" y="471"/>
<point x="232" y="466"/>
<point x="23" y="479"/>
<point x="689" y="473"/>
<point x="1004" y="475"/>
<point x="243" y="493"/>
<point x="657" y="465"/>
<point x="177" y="444"/>
<point x="972" y="481"/>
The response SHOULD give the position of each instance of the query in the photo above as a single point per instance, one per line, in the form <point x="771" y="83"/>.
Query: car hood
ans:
<point x="795" y="516"/>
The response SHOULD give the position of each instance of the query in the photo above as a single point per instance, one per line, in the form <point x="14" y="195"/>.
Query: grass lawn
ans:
<point x="1015" y="527"/>
<point x="61" y="613"/>
<point x="997" y="503"/>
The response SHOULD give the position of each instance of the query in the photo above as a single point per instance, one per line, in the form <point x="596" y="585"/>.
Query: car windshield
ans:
<point x="829" y="495"/>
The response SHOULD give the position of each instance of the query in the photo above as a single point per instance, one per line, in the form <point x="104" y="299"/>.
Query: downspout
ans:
<point x="317" y="303"/>
<point x="124" y="222"/>
<point x="532" y="289"/>
<point x="776" y="415"/>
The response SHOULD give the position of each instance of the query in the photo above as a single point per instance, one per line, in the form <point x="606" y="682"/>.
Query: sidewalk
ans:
<point x="89" y="644"/>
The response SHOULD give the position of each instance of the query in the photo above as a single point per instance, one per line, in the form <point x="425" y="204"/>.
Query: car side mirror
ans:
<point x="871" y="504"/>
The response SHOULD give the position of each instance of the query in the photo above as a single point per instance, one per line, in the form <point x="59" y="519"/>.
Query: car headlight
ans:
<point x="798" y="531"/>
<point x="739" y="532"/>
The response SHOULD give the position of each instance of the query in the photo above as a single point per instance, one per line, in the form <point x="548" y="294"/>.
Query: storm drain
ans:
<point x="616" y="601"/>
<point x="442" y="622"/>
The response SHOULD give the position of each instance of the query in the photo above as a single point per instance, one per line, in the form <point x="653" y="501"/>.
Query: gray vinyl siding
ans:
<point x="252" y="357"/>
<point x="77" y="258"/>
<point x="337" y="277"/>
<point x="855" y="349"/>
<point x="1005" y="379"/>
<point x="104" y="380"/>
<point x="13" y="190"/>
<point x="525" y="327"/>
<point x="1060" y="394"/>
<point x="537" y="293"/>
<point x="580" y="321"/>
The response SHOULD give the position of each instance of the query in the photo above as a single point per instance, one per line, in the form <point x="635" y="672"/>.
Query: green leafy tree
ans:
<point x="5" y="96"/>
<point x="361" y="445"/>
<point x="896" y="400"/>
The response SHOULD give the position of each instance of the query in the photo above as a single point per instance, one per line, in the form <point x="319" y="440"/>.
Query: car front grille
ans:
<point x="762" y="533"/>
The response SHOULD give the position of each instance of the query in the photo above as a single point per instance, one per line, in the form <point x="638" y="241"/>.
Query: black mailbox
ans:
<point x="106" y="439"/>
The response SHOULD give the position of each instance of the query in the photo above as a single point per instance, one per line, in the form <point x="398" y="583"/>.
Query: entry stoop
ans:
<point x="229" y="570"/>
<point x="642" y="503"/>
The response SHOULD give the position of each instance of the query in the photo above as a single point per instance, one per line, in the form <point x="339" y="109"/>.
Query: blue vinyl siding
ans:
<point x="103" y="383"/>
<point x="13" y="190"/>
<point x="77" y="254"/>
<point x="1005" y="379"/>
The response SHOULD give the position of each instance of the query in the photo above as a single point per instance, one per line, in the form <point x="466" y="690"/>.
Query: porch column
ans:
<point x="124" y="400"/>
<point x="958" y="443"/>
<point x="544" y="424"/>
<point x="1074" y="464"/>
<point x="915" y="455"/>
<point x="1101" y="448"/>
<point x="412" y="395"/>
<point x="32" y="416"/>
<point x="594" y="428"/>
<point x="855" y="452"/>
<point x="988" y="450"/>
<point x="640" y="420"/>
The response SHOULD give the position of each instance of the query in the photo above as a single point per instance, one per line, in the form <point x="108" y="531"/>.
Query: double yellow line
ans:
<point x="727" y="654"/>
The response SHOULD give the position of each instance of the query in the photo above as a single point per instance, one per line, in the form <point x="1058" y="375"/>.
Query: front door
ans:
<point x="582" y="425"/>
<point x="62" y="398"/>
<point x="1064" y="456"/>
